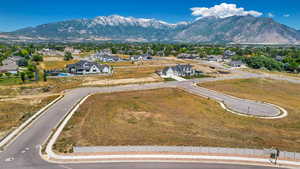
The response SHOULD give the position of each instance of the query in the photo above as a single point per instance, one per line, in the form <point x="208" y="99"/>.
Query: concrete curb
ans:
<point x="56" y="134"/>
<point x="283" y="114"/>
<point x="13" y="135"/>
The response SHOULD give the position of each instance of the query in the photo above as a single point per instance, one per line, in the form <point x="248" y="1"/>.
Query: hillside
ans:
<point x="235" y="29"/>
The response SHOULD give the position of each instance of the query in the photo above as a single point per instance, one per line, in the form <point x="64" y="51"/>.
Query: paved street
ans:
<point x="23" y="152"/>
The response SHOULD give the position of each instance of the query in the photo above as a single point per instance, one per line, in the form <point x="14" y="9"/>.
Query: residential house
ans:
<point x="181" y="70"/>
<point x="215" y="58"/>
<point x="10" y="65"/>
<point x="109" y="58"/>
<point x="236" y="63"/>
<point x="72" y="50"/>
<point x="188" y="56"/>
<point x="86" y="67"/>
<point x="228" y="54"/>
<point x="140" y="57"/>
<point x="279" y="58"/>
<point x="105" y="56"/>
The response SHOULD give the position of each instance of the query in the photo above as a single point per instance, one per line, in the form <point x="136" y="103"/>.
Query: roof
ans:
<point x="236" y="62"/>
<point x="138" y="56"/>
<point x="110" y="57"/>
<point x="10" y="64"/>
<point x="229" y="53"/>
<point x="178" y="68"/>
<point x="85" y="65"/>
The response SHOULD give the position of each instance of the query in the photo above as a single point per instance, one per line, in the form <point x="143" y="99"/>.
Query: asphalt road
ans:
<point x="23" y="153"/>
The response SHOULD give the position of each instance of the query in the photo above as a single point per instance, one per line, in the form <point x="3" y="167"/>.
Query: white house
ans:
<point x="85" y="67"/>
<point x="140" y="57"/>
<point x="178" y="70"/>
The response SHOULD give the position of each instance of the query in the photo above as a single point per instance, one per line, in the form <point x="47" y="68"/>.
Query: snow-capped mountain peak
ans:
<point x="117" y="20"/>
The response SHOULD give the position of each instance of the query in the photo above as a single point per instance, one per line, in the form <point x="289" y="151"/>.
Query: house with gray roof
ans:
<point x="140" y="57"/>
<point x="236" y="63"/>
<point x="84" y="67"/>
<point x="108" y="58"/>
<point x="228" y="54"/>
<point x="104" y="56"/>
<point x="181" y="70"/>
<point x="10" y="65"/>
<point x="215" y="58"/>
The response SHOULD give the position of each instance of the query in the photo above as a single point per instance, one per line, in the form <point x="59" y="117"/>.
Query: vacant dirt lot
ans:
<point x="174" y="117"/>
<point x="14" y="112"/>
<point x="110" y="82"/>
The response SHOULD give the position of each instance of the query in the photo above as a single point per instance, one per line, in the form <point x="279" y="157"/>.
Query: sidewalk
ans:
<point x="168" y="157"/>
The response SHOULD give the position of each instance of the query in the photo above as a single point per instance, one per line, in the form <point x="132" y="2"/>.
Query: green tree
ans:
<point x="30" y="74"/>
<point x="7" y="74"/>
<point x="258" y="62"/>
<point x="22" y="62"/>
<point x="114" y="51"/>
<point x="23" y="77"/>
<point x="37" y="58"/>
<point x="68" y="56"/>
<point x="24" y="53"/>
<point x="45" y="76"/>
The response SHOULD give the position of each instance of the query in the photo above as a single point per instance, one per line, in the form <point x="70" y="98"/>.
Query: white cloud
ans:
<point x="222" y="11"/>
<point x="271" y="15"/>
<point x="286" y="15"/>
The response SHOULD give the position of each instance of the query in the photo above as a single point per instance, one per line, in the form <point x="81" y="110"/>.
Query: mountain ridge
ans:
<point x="235" y="29"/>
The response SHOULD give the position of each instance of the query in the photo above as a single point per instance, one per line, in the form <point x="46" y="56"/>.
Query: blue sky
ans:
<point x="15" y="14"/>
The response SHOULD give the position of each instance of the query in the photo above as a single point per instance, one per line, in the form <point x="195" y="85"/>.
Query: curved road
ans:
<point x="23" y="153"/>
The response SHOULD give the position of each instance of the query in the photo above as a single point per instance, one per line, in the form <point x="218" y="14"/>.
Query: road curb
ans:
<point x="14" y="134"/>
<point x="54" y="137"/>
<point x="283" y="114"/>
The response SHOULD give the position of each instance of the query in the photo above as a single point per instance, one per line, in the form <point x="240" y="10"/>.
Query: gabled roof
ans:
<point x="138" y="56"/>
<point x="85" y="65"/>
<point x="236" y="62"/>
<point x="178" y="68"/>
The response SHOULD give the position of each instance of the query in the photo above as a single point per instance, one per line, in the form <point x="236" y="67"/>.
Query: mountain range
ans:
<point x="235" y="29"/>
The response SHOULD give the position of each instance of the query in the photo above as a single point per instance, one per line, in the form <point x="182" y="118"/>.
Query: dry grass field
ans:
<point x="14" y="112"/>
<point x="160" y="62"/>
<point x="175" y="118"/>
<point x="58" y="64"/>
<point x="260" y="71"/>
